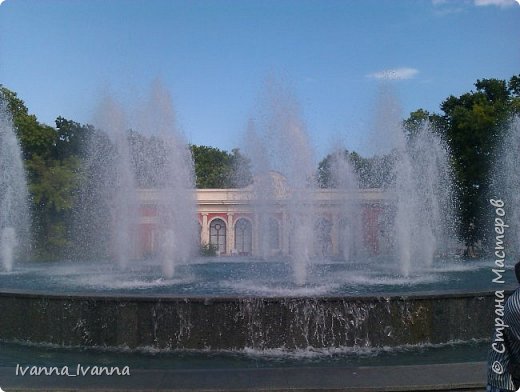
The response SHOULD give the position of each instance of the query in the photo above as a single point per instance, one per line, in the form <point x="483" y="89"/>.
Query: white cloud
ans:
<point x="498" y="3"/>
<point x="395" y="74"/>
<point x="447" y="7"/>
<point x="457" y="4"/>
<point x="452" y="3"/>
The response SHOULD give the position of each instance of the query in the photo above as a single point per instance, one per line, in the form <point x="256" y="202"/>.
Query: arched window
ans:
<point x="243" y="236"/>
<point x="274" y="234"/>
<point x="217" y="235"/>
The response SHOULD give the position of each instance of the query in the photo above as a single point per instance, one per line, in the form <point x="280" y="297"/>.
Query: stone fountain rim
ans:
<point x="209" y="299"/>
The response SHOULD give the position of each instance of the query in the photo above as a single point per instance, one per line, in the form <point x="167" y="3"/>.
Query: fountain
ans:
<point x="506" y="182"/>
<point x="14" y="207"/>
<point x="282" y="145"/>
<point x="421" y="222"/>
<point x="346" y="181"/>
<point x="300" y="293"/>
<point x="107" y="208"/>
<point x="424" y="200"/>
<point x="8" y="243"/>
<point x="118" y="162"/>
<point x="169" y="167"/>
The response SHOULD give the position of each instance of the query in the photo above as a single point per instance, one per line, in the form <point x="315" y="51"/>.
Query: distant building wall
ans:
<point x="224" y="214"/>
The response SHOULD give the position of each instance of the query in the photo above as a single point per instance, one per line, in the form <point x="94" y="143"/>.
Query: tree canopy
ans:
<point x="373" y="172"/>
<point x="473" y="125"/>
<point x="215" y="168"/>
<point x="52" y="164"/>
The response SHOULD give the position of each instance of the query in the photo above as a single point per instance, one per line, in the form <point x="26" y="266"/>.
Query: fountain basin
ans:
<point x="241" y="303"/>
<point x="236" y="323"/>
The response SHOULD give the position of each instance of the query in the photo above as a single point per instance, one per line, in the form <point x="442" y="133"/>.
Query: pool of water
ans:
<point x="12" y="354"/>
<point x="250" y="277"/>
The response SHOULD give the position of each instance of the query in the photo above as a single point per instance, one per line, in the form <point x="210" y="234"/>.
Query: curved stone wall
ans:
<point x="235" y="323"/>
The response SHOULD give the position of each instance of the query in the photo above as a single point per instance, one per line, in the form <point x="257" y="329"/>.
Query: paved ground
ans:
<point x="442" y="377"/>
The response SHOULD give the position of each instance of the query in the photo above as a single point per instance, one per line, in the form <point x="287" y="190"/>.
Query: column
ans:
<point x="204" y="233"/>
<point x="230" y="234"/>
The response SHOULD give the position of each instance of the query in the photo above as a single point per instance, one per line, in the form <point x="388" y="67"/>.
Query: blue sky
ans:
<point x="215" y="57"/>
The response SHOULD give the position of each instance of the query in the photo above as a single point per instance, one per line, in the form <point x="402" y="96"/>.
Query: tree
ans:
<point x="241" y="169"/>
<point x="212" y="167"/>
<point x="71" y="138"/>
<point x="215" y="168"/>
<point x="53" y="185"/>
<point x="473" y="125"/>
<point x="35" y="138"/>
<point x="414" y="122"/>
<point x="52" y="169"/>
<point x="373" y="172"/>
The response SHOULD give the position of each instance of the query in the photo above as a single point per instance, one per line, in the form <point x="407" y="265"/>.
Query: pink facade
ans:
<point x="226" y="219"/>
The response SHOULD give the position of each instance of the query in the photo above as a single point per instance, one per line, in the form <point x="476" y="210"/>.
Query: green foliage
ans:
<point x="241" y="169"/>
<point x="473" y="125"/>
<point x="53" y="182"/>
<point x="215" y="168"/>
<point x="52" y="185"/>
<point x="35" y="138"/>
<point x="373" y="172"/>
<point x="148" y="154"/>
<point x="514" y="86"/>
<point x="52" y="164"/>
<point x="15" y="105"/>
<point x="414" y="122"/>
<point x="71" y="138"/>
<point x="324" y="175"/>
<point x="208" y="250"/>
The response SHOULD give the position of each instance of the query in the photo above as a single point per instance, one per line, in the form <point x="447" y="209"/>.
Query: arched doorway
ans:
<point x="243" y="237"/>
<point x="217" y="235"/>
